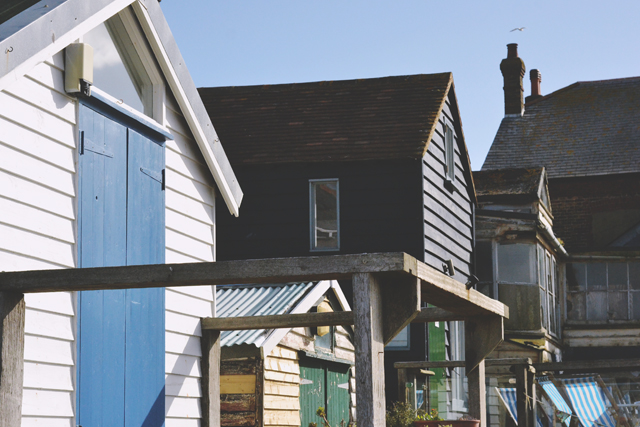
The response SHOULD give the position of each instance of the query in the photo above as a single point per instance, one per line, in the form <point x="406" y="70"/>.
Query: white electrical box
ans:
<point x="78" y="68"/>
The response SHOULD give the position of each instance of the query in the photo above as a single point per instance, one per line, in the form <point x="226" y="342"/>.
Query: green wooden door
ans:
<point x="337" y="395"/>
<point x="324" y="384"/>
<point x="312" y="391"/>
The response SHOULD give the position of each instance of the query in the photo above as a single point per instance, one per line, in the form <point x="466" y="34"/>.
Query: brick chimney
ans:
<point x="536" y="78"/>
<point x="513" y="69"/>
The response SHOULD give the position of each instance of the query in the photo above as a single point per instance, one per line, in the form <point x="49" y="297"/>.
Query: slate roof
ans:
<point x="256" y="300"/>
<point x="366" y="119"/>
<point x="588" y="128"/>
<point x="508" y="182"/>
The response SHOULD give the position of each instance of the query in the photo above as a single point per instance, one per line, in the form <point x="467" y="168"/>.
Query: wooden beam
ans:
<point x="436" y="287"/>
<point x="367" y="305"/>
<point x="589" y="365"/>
<point x="12" y="311"/>
<point x="445" y="292"/>
<point x="429" y="365"/>
<point x="210" y="383"/>
<point x="336" y="318"/>
<point x="525" y="394"/>
<point x="478" y="394"/>
<point x="400" y="304"/>
<point x="402" y="385"/>
<point x="436" y="314"/>
<point x="482" y="336"/>
<point x="274" y="270"/>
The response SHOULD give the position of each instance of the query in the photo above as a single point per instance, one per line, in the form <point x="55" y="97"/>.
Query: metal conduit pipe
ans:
<point x="548" y="233"/>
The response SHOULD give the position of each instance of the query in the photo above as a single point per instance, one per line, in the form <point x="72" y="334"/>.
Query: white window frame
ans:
<point x="313" y="217"/>
<point x="393" y="344"/>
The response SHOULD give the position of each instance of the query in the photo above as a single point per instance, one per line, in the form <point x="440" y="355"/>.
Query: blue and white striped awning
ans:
<point x="556" y="398"/>
<point x="509" y="398"/>
<point x="589" y="401"/>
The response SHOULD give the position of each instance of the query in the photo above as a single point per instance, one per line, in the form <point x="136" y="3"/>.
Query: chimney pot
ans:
<point x="536" y="78"/>
<point x="513" y="70"/>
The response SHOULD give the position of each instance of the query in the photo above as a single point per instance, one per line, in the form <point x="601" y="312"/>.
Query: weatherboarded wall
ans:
<point x="448" y="216"/>
<point x="38" y="231"/>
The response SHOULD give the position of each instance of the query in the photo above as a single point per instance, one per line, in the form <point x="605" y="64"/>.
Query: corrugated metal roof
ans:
<point x="256" y="300"/>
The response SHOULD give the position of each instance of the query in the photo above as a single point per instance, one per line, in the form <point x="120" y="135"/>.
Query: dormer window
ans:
<point x="449" y="157"/>
<point x="324" y="208"/>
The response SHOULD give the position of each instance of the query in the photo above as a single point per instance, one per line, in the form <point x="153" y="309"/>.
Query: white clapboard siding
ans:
<point x="37" y="229"/>
<point x="190" y="228"/>
<point x="281" y="371"/>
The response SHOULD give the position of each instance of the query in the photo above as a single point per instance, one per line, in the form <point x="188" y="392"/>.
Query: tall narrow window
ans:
<point x="324" y="208"/>
<point x="449" y="157"/>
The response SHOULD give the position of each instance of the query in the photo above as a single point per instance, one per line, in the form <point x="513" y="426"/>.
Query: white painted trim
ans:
<point x="340" y="295"/>
<point x="183" y="101"/>
<point x="62" y="41"/>
<point x="303" y="306"/>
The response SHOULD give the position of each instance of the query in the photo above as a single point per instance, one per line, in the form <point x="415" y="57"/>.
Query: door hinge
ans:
<point x="156" y="176"/>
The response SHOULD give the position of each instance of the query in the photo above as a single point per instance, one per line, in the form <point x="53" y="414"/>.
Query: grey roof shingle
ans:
<point x="585" y="129"/>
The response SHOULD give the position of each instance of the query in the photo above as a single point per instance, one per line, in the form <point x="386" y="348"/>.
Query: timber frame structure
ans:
<point x="388" y="291"/>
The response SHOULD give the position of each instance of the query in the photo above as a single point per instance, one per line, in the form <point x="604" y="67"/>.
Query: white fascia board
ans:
<point x="340" y="295"/>
<point x="175" y="72"/>
<point x="276" y="335"/>
<point x="46" y="28"/>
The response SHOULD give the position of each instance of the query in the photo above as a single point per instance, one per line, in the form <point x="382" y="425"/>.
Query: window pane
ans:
<point x="617" y="274"/>
<point x="634" y="275"/>
<point x="576" y="306"/>
<point x="597" y="276"/>
<point x="325" y="222"/>
<point x="597" y="306"/>
<point x="401" y="340"/>
<point x="514" y="263"/>
<point x="484" y="261"/>
<point x="543" y="308"/>
<point x="635" y="307"/>
<point x="541" y="269"/>
<point x="110" y="72"/>
<point x="576" y="278"/>
<point x="618" y="305"/>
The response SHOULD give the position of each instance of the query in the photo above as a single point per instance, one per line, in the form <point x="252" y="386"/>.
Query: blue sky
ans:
<point x="249" y="42"/>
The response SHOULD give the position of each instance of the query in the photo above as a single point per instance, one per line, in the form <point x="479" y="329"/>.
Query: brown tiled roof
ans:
<point x="390" y="117"/>
<point x="508" y="182"/>
<point x="588" y="128"/>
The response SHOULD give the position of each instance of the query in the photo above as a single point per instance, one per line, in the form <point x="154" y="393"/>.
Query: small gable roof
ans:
<point x="511" y="185"/>
<point x="364" y="119"/>
<point x="263" y="300"/>
<point x="588" y="128"/>
<point x="31" y="32"/>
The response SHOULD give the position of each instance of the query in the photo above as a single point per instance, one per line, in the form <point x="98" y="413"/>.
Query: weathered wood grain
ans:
<point x="482" y="336"/>
<point x="210" y="361"/>
<point x="428" y="365"/>
<point x="367" y="301"/>
<point x="12" y="314"/>
<point x="400" y="304"/>
<point x="436" y="314"/>
<point x="238" y="367"/>
<point x="237" y="402"/>
<point x="589" y="365"/>
<point x="478" y="394"/>
<point x="278" y="321"/>
<point x="238" y="419"/>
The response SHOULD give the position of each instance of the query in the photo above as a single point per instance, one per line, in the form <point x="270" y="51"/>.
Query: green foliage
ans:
<point x="400" y="415"/>
<point x="429" y="416"/>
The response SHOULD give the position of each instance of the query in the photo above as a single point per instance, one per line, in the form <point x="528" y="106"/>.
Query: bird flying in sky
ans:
<point x="517" y="29"/>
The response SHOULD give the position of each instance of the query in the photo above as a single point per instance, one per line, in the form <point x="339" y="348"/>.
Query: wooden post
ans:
<point x="12" y="311"/>
<point x="210" y="343"/>
<point x="525" y="395"/>
<point x="402" y="385"/>
<point x="370" y="398"/>
<point x="478" y="394"/>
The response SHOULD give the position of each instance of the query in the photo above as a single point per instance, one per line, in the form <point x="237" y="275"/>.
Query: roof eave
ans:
<point x="55" y="24"/>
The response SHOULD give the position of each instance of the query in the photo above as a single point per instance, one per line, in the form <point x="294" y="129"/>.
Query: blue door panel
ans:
<point x="121" y="222"/>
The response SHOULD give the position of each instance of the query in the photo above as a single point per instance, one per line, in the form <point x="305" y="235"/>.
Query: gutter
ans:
<point x="548" y="233"/>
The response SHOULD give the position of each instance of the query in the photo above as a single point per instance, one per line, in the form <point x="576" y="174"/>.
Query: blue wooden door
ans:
<point x="120" y="222"/>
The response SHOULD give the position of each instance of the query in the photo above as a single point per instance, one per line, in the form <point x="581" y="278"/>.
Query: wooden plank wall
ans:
<point x="240" y="392"/>
<point x="448" y="217"/>
<point x="281" y="388"/>
<point x="37" y="225"/>
<point x="380" y="209"/>
<point x="190" y="237"/>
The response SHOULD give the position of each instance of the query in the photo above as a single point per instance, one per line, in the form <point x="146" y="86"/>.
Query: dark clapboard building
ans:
<point x="340" y="167"/>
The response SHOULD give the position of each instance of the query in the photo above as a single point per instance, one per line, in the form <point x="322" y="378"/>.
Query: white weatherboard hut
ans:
<point x="129" y="174"/>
